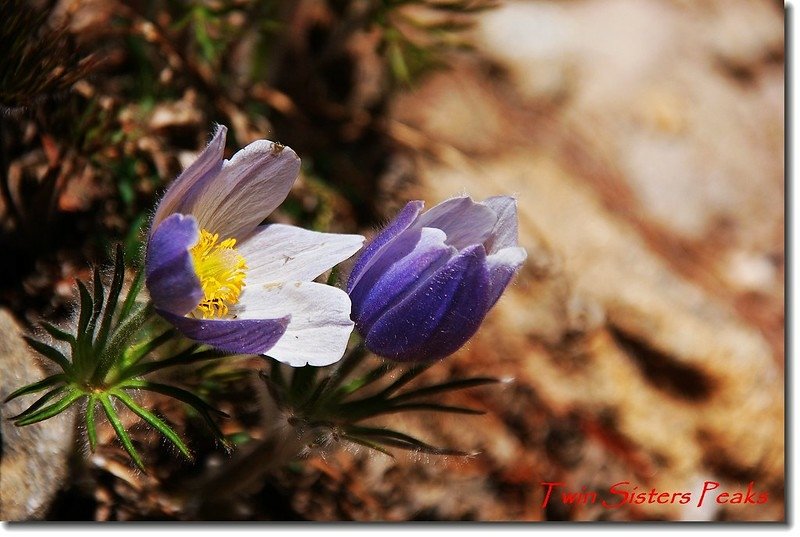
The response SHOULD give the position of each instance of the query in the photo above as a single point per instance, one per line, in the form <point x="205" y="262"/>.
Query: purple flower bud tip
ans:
<point x="423" y="286"/>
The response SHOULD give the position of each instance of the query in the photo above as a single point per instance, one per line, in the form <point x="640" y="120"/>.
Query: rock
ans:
<point x="34" y="458"/>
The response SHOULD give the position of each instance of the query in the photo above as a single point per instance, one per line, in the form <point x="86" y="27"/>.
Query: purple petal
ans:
<point x="467" y="311"/>
<point x="438" y="316"/>
<point x="400" y="223"/>
<point x="410" y="259"/>
<point x="502" y="267"/>
<point x="465" y="222"/>
<point x="238" y="336"/>
<point x="193" y="179"/>
<point x="248" y="188"/>
<point x="169" y="271"/>
<point x="504" y="233"/>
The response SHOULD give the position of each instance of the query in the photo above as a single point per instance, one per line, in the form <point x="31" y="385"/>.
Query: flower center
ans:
<point x="221" y="271"/>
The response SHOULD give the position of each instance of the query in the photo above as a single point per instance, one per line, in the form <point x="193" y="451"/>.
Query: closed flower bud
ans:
<point x="423" y="286"/>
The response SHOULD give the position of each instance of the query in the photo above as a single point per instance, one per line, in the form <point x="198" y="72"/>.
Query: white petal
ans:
<point x="247" y="189"/>
<point x="504" y="234"/>
<point x="320" y="325"/>
<point x="464" y="221"/>
<point x="278" y="252"/>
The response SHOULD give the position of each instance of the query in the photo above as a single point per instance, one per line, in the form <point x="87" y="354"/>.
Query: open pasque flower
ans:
<point x="224" y="280"/>
<point x="424" y="284"/>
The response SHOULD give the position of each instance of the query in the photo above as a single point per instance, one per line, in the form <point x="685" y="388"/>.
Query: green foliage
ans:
<point x="341" y="400"/>
<point x="417" y="34"/>
<point x="104" y="359"/>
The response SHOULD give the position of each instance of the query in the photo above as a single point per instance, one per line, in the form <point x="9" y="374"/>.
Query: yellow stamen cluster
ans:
<point x="221" y="271"/>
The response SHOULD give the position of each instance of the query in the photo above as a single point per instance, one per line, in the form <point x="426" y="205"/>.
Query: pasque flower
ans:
<point x="424" y="284"/>
<point x="223" y="279"/>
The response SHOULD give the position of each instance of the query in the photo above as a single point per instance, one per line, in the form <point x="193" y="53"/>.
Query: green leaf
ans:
<point x="50" y="410"/>
<point x="122" y="434"/>
<point x="133" y="293"/>
<point x="135" y="353"/>
<point x="98" y="300"/>
<point x="91" y="424"/>
<point x="397" y="61"/>
<point x="111" y="304"/>
<point x="39" y="403"/>
<point x="405" y="378"/>
<point x="59" y="335"/>
<point x="126" y="330"/>
<point x="412" y="407"/>
<point x="436" y="407"/>
<point x="202" y="408"/>
<point x="333" y="277"/>
<point x="37" y="386"/>
<point x="154" y="422"/>
<point x="82" y="350"/>
<point x="50" y="352"/>
<point x="365" y="380"/>
<point x="302" y="383"/>
<point x="87" y="307"/>
<point x="366" y="443"/>
<point x="189" y="356"/>
<point x="313" y="398"/>
<point x="397" y="439"/>
<point x="462" y="6"/>
<point x="345" y="366"/>
<point x="446" y="387"/>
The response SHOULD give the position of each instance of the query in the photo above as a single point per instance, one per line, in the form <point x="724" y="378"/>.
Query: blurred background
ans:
<point x="643" y="341"/>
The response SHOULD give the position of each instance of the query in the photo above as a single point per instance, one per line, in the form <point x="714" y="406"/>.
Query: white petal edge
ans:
<point x="252" y="184"/>
<point x="319" y="327"/>
<point x="502" y="266"/>
<point x="464" y="221"/>
<point x="511" y="257"/>
<point x="504" y="234"/>
<point x="278" y="252"/>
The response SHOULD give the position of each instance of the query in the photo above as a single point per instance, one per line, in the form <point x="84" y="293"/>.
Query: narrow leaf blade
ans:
<point x="446" y="387"/>
<point x="87" y="307"/>
<point x="397" y="439"/>
<point x="119" y="428"/>
<point x="97" y="301"/>
<point x="202" y="408"/>
<point x="405" y="378"/>
<point x="59" y="334"/>
<point x="154" y="421"/>
<point x="367" y="443"/>
<point x="50" y="410"/>
<point x="39" y="403"/>
<point x="91" y="423"/>
<point x="36" y="386"/>
<point x="111" y="303"/>
<point x="49" y="352"/>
